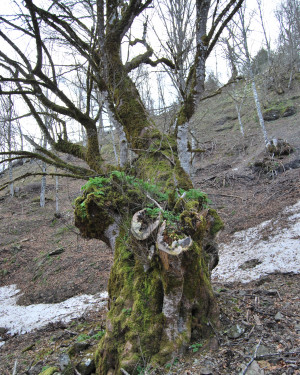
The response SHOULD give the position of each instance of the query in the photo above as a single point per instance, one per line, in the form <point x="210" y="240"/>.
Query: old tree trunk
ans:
<point x="160" y="297"/>
<point x="162" y="233"/>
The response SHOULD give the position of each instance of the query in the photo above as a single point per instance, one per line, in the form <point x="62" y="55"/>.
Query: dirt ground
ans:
<point x="260" y="322"/>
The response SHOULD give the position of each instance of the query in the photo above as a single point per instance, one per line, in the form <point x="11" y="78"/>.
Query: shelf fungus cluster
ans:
<point x="176" y="247"/>
<point x="142" y="229"/>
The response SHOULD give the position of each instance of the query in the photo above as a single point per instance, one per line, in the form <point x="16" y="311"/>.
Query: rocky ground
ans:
<point x="49" y="262"/>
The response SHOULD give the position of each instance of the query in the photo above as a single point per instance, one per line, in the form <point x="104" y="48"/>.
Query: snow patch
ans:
<point x="21" y="319"/>
<point x="273" y="244"/>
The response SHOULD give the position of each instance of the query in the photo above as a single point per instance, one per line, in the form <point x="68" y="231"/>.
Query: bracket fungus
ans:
<point x="177" y="246"/>
<point x="141" y="229"/>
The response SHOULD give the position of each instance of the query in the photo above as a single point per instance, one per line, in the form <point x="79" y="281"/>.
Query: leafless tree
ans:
<point x="237" y="93"/>
<point x="262" y="22"/>
<point x="178" y="19"/>
<point x="159" y="291"/>
<point x="240" y="34"/>
<point x="9" y="134"/>
<point x="211" y="20"/>
<point x="288" y="16"/>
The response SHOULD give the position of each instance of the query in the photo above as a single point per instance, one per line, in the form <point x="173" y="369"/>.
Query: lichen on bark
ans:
<point x="158" y="302"/>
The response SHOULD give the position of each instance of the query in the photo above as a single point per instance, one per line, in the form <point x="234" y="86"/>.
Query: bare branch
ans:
<point x="26" y="175"/>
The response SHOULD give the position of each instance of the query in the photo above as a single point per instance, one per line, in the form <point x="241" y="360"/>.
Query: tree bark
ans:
<point x="252" y="78"/>
<point x="9" y="142"/>
<point x="160" y="297"/>
<point x="43" y="182"/>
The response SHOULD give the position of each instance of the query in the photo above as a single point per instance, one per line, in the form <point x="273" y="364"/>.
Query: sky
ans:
<point x="256" y="40"/>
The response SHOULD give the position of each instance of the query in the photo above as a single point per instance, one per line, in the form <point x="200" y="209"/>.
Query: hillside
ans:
<point x="49" y="262"/>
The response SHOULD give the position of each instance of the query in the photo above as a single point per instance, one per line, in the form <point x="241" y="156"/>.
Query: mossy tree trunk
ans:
<point x="160" y="296"/>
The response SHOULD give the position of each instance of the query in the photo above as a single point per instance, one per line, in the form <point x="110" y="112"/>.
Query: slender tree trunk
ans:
<point x="258" y="110"/>
<point x="100" y="132"/>
<point x="238" y="106"/>
<point x="252" y="78"/>
<point x="267" y="41"/>
<point x="9" y="139"/>
<point x="57" y="213"/>
<point x="11" y="185"/>
<point x="43" y="183"/>
<point x="238" y="111"/>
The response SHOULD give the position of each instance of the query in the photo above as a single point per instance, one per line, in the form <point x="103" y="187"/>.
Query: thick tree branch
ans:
<point x="120" y="28"/>
<point x="39" y="48"/>
<point x="223" y="25"/>
<point x="59" y="163"/>
<point x="55" y="157"/>
<point x="23" y="176"/>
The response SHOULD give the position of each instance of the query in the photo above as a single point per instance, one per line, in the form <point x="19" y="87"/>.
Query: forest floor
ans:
<point x="49" y="262"/>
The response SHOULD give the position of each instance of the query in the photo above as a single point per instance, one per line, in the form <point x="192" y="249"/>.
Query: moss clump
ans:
<point x="278" y="110"/>
<point x="49" y="371"/>
<point x="216" y="222"/>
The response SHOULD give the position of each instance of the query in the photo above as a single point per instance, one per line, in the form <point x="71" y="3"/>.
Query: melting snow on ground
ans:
<point x="272" y="246"/>
<point x="21" y="319"/>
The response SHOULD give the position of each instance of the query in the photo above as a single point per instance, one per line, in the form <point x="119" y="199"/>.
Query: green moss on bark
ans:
<point x="217" y="223"/>
<point x="157" y="301"/>
<point x="135" y="320"/>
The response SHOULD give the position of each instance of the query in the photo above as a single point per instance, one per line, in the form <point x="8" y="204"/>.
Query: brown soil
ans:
<point x="244" y="192"/>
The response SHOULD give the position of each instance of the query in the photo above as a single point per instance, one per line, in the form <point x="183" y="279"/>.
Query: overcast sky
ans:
<point x="256" y="39"/>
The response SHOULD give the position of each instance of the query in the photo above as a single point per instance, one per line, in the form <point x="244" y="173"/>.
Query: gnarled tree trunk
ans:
<point x="160" y="295"/>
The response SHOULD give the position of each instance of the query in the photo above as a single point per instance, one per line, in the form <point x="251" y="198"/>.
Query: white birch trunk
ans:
<point x="123" y="145"/>
<point x="11" y="185"/>
<point x="238" y="111"/>
<point x="10" y="167"/>
<point x="182" y="147"/>
<point x="43" y="183"/>
<point x="56" y="196"/>
<point x="254" y="90"/>
<point x="258" y="109"/>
